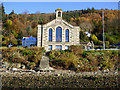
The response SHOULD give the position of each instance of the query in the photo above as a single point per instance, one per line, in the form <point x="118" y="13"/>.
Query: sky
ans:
<point x="60" y="0"/>
<point x="49" y="7"/>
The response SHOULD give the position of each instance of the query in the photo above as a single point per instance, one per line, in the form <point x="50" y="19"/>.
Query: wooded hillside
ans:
<point x="15" y="26"/>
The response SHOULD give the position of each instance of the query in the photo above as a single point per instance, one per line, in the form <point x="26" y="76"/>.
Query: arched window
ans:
<point x="67" y="35"/>
<point x="59" y="34"/>
<point x="50" y="34"/>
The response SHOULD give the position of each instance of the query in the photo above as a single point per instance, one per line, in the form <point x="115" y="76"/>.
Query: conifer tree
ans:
<point x="2" y="9"/>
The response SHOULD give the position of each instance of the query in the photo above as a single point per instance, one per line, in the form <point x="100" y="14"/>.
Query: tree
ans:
<point x="29" y="30"/>
<point x="93" y="10"/>
<point x="25" y="15"/>
<point x="94" y="38"/>
<point x="14" y="42"/>
<point x="87" y="26"/>
<point x="88" y="10"/>
<point x="12" y="12"/>
<point x="5" y="41"/>
<point x="9" y="23"/>
<point x="2" y="9"/>
<point x="14" y="33"/>
<point x="9" y="26"/>
<point x="3" y="16"/>
<point x="34" y="24"/>
<point x="83" y="37"/>
<point x="20" y="35"/>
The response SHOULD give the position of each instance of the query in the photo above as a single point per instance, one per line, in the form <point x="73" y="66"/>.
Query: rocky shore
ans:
<point x="60" y="79"/>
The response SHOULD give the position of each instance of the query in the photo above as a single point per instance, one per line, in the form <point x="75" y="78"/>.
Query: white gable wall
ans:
<point x="43" y="34"/>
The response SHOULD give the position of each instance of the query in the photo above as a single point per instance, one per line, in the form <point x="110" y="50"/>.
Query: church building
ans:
<point x="57" y="34"/>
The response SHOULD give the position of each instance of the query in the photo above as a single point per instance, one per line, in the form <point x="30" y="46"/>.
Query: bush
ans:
<point x="114" y="52"/>
<point x="76" y="49"/>
<point x="87" y="61"/>
<point x="22" y="55"/>
<point x="94" y="38"/>
<point x="107" y="43"/>
<point x="100" y="42"/>
<point x="19" y="42"/>
<point x="84" y="54"/>
<point x="34" y="54"/>
<point x="63" y="59"/>
<point x="112" y="46"/>
<point x="32" y="65"/>
<point x="101" y="47"/>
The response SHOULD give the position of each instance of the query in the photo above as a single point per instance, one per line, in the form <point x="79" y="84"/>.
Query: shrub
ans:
<point x="13" y="49"/>
<point x="32" y="65"/>
<point x="76" y="49"/>
<point x="108" y="61"/>
<point x="114" y="52"/>
<point x="94" y="38"/>
<point x="65" y="60"/>
<point x="84" y="54"/>
<point x="113" y="46"/>
<point x="22" y="55"/>
<point x="16" y="57"/>
<point x="27" y="52"/>
<point x="107" y="43"/>
<point x="88" y="61"/>
<point x="19" y="42"/>
<point x="52" y="54"/>
<point x="14" y="42"/>
<point x="100" y="42"/>
<point x="101" y="47"/>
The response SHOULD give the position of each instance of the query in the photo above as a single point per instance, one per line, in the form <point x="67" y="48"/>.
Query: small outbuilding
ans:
<point x="87" y="45"/>
<point x="29" y="41"/>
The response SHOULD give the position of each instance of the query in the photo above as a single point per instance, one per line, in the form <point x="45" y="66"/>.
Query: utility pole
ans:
<point x="103" y="30"/>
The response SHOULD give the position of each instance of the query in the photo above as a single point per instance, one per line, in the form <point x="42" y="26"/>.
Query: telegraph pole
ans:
<point x="103" y="30"/>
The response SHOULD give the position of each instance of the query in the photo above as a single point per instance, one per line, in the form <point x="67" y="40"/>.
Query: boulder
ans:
<point x="22" y="66"/>
<point x="18" y="65"/>
<point x="14" y="69"/>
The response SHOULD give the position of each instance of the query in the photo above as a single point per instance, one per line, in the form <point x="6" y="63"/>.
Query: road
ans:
<point x="103" y="49"/>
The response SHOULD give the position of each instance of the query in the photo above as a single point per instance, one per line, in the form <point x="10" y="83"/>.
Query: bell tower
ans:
<point x="58" y="13"/>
